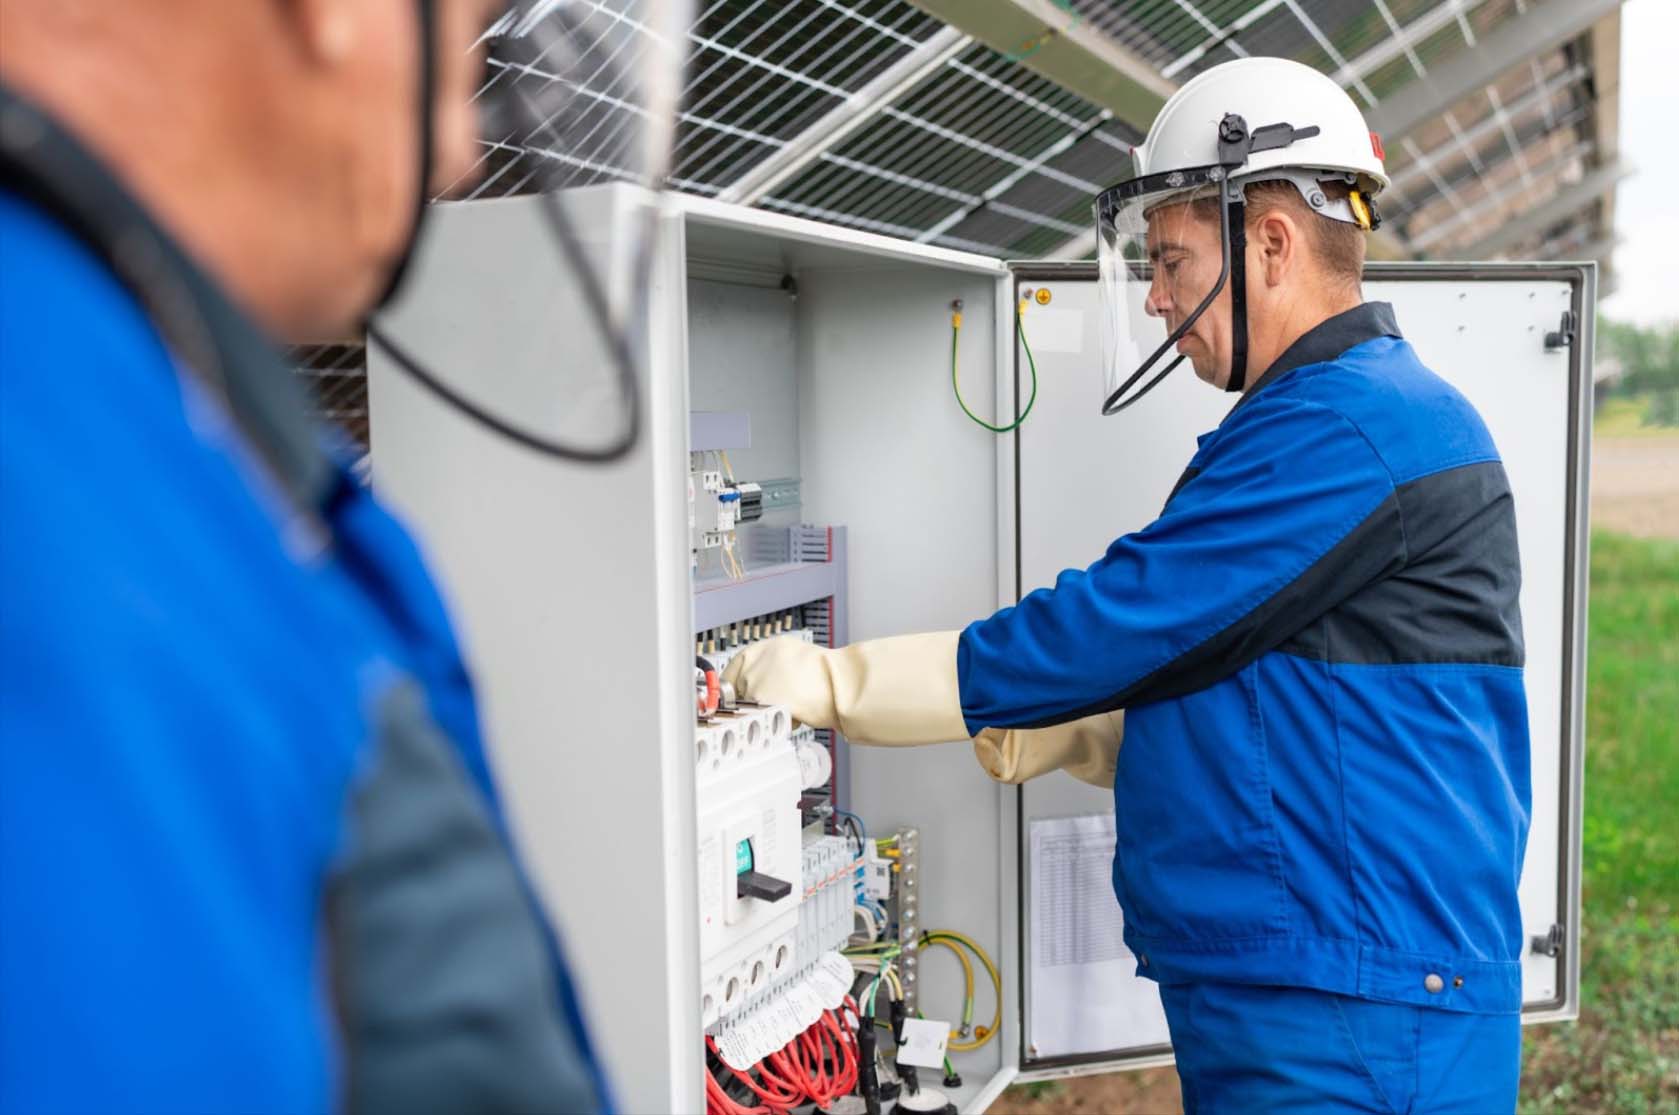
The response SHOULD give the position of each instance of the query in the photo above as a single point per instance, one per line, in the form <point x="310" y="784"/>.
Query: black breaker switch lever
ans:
<point x="755" y="884"/>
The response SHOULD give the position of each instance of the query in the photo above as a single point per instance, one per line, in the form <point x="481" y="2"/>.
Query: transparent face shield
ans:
<point x="1163" y="249"/>
<point x="1167" y="244"/>
<point x="571" y="95"/>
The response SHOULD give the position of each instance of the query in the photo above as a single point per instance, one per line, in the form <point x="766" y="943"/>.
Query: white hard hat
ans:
<point x="1251" y="120"/>
<point x="1266" y="92"/>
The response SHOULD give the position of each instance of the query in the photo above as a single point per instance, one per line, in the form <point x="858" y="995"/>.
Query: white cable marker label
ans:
<point x="761" y="1030"/>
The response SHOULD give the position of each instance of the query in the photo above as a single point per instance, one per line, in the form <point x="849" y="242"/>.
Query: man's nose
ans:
<point x="1159" y="301"/>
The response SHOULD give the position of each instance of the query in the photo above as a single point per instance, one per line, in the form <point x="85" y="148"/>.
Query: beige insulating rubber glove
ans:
<point x="1086" y="749"/>
<point x="893" y="692"/>
<point x="903" y="691"/>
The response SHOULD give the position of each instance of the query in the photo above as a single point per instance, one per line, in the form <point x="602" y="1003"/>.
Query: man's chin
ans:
<point x="333" y="316"/>
<point x="1205" y="372"/>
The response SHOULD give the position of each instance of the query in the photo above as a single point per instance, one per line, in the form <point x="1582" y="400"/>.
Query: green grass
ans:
<point x="1632" y="723"/>
<point x="1623" y="1054"/>
<point x="1630" y="416"/>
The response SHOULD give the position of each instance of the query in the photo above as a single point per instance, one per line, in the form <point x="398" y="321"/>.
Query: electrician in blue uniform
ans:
<point x="250" y="854"/>
<point x="1314" y="654"/>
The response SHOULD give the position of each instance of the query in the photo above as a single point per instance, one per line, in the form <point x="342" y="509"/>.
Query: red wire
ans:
<point x="821" y="1064"/>
<point x="828" y="1051"/>
<point x="850" y="1053"/>
<point x="781" y="1099"/>
<point x="790" y="1070"/>
<point x="717" y="1100"/>
<point x="714" y="1097"/>
<point x="715" y="1094"/>
<point x="836" y="1049"/>
<point x="847" y="1071"/>
<point x="810" y="1052"/>
<point x="799" y="1052"/>
<point x="788" y="1098"/>
<point x="776" y="1076"/>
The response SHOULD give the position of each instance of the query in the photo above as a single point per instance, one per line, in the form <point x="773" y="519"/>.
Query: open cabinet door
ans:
<point x="1497" y="332"/>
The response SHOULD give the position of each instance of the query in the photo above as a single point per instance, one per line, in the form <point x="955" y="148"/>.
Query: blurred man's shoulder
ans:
<point x="60" y="303"/>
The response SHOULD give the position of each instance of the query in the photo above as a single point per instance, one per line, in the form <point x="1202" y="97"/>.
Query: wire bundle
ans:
<point x="956" y="942"/>
<point x="818" y="1066"/>
<point x="852" y="1046"/>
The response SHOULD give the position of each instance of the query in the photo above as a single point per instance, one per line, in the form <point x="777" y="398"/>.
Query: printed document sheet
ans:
<point x="1083" y="994"/>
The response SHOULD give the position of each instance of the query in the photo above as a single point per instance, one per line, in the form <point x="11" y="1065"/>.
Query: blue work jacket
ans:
<point x="1324" y="779"/>
<point x="250" y="855"/>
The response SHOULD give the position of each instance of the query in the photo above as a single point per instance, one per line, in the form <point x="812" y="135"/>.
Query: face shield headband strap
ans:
<point x="1230" y="206"/>
<point x="1236" y="253"/>
<point x="426" y="113"/>
<point x="613" y="335"/>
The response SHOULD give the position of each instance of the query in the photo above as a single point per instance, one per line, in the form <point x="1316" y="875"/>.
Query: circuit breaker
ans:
<point x="749" y="857"/>
<point x="719" y="503"/>
<point x="717" y="507"/>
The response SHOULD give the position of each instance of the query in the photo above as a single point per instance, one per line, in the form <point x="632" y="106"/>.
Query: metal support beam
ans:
<point x="844" y="121"/>
<point x="1545" y="27"/>
<point x="1443" y="229"/>
<point x="1050" y="40"/>
<point x="1394" y="46"/>
<point x="1568" y="201"/>
<point x="1530" y="101"/>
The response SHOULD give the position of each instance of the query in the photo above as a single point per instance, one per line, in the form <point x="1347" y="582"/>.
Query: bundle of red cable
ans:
<point x="818" y="1066"/>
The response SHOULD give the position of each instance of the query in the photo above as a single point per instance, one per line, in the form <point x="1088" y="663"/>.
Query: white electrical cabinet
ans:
<point x="578" y="608"/>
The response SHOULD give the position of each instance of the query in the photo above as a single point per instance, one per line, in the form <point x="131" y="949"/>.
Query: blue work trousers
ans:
<point x="1253" y="1049"/>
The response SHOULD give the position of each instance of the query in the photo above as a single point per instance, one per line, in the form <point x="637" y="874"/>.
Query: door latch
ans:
<point x="1564" y="335"/>
<point x="1550" y="944"/>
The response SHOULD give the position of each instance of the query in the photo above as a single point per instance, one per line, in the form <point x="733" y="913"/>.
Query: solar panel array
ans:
<point x="874" y="115"/>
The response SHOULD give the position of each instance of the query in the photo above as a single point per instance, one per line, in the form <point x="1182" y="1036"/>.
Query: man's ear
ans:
<point x="327" y="29"/>
<point x="1277" y="237"/>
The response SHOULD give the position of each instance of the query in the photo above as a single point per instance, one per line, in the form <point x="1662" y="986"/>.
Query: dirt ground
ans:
<point x="1635" y="485"/>
<point x="1635" y="490"/>
<point x="1150" y="1092"/>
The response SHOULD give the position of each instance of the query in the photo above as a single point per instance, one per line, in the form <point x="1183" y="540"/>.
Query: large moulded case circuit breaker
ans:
<point x="734" y="889"/>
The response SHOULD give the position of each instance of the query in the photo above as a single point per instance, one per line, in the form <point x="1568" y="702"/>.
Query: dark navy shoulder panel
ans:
<point x="443" y="972"/>
<point x="1457" y="596"/>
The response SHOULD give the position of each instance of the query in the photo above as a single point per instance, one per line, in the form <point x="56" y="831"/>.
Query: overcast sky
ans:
<point x="1647" y="206"/>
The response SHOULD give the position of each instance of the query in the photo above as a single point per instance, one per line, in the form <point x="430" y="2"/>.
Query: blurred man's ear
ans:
<point x="327" y="29"/>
